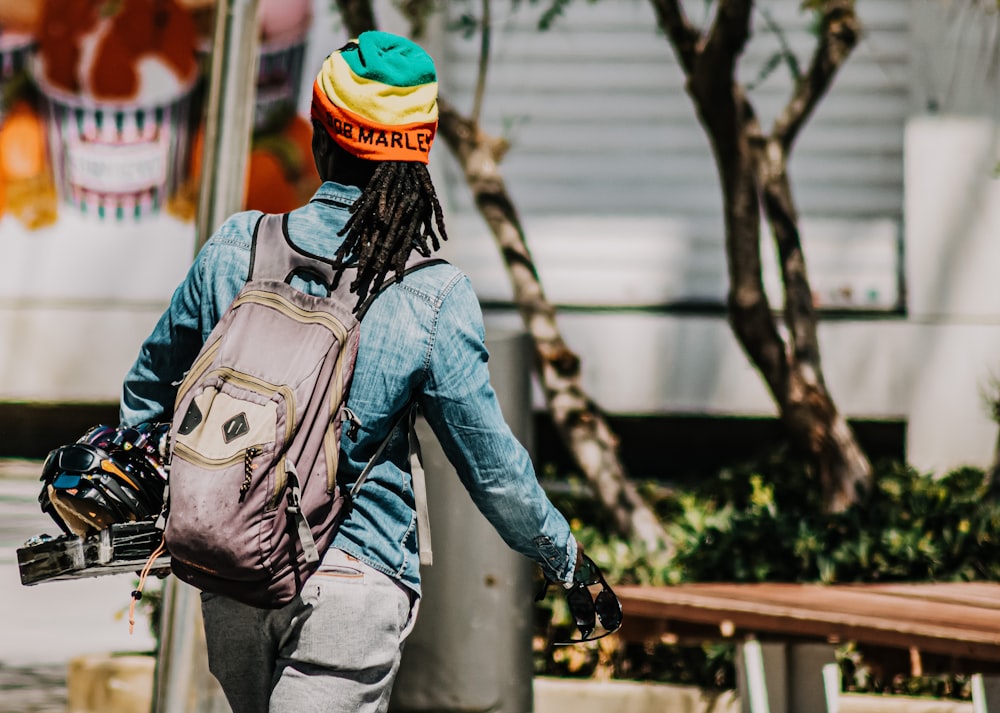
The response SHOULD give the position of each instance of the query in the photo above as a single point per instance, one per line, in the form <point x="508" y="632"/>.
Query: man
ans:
<point x="337" y="646"/>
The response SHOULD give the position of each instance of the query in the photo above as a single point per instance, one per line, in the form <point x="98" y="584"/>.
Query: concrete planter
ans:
<point x="110" y="683"/>
<point x="558" y="695"/>
<point x="123" y="683"/>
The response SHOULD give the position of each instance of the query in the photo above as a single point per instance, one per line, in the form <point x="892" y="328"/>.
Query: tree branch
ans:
<point x="733" y="129"/>
<point x="781" y="215"/>
<point x="838" y="35"/>
<point x="728" y="36"/>
<point x="682" y="34"/>
<point x="840" y="31"/>
<point x="484" y="62"/>
<point x="750" y="314"/>
<point x="358" y="16"/>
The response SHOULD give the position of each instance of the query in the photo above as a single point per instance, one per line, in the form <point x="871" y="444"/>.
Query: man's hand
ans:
<point x="578" y="566"/>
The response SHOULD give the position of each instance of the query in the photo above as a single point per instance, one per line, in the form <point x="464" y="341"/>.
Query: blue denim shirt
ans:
<point x="424" y="337"/>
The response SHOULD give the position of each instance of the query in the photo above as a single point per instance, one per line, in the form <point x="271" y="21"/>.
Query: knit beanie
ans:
<point x="377" y="98"/>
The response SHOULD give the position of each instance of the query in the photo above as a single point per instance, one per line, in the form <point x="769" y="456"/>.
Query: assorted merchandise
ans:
<point x="284" y="29"/>
<point x="112" y="126"/>
<point x="26" y="188"/>
<point x="117" y="79"/>
<point x="281" y="174"/>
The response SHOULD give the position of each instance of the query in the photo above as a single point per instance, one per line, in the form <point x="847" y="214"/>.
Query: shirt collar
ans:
<point x="337" y="192"/>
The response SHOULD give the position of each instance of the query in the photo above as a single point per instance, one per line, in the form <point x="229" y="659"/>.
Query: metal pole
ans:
<point x="471" y="648"/>
<point x="229" y="115"/>
<point x="183" y="684"/>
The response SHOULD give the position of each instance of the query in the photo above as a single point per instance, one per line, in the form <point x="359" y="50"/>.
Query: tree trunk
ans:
<point x="582" y="427"/>
<point x="753" y="173"/>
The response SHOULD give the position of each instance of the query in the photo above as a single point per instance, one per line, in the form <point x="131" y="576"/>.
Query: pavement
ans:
<point x="44" y="626"/>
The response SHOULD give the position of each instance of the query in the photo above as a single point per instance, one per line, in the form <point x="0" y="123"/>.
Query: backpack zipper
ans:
<point x="303" y="315"/>
<point x="264" y="387"/>
<point x="261" y="387"/>
<point x="269" y="299"/>
<point x="248" y="455"/>
<point x="245" y="455"/>
<point x="354" y="423"/>
<point x="197" y="369"/>
<point x="193" y="456"/>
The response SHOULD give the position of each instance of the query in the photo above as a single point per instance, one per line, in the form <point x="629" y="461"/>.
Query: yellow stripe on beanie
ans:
<point x="374" y="100"/>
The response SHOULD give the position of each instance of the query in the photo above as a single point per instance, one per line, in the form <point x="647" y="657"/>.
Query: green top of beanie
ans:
<point x="390" y="59"/>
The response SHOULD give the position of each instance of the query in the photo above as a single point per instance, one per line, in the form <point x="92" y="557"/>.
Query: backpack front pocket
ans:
<point x="232" y="427"/>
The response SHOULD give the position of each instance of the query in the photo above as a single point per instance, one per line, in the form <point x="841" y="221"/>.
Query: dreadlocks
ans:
<point x="397" y="213"/>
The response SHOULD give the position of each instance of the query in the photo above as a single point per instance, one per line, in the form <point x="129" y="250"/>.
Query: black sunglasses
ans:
<point x="76" y="458"/>
<point x="588" y="610"/>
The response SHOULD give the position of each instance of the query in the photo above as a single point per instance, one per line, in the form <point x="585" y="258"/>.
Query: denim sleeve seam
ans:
<point x="234" y="234"/>
<point x="233" y="237"/>
<point x="445" y="292"/>
<point x="234" y="240"/>
<point x="431" y="342"/>
<point x="436" y="303"/>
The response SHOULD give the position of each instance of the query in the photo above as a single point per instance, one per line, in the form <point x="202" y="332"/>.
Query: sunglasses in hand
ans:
<point x="587" y="608"/>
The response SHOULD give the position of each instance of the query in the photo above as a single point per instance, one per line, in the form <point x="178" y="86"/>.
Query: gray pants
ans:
<point x="335" y="648"/>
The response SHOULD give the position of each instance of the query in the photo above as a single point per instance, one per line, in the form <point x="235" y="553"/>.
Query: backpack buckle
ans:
<point x="353" y="423"/>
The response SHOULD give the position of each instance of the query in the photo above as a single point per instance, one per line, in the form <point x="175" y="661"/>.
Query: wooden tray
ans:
<point x="120" y="548"/>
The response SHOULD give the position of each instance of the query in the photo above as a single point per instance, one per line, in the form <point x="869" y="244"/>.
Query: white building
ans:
<point x="613" y="177"/>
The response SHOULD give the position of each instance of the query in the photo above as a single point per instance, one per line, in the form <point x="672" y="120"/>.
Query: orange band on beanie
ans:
<point x="369" y="139"/>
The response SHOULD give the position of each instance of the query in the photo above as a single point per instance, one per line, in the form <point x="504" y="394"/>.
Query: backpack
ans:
<point x="253" y="499"/>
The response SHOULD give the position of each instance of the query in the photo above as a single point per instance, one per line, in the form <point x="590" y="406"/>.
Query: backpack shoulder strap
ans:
<point x="273" y="256"/>
<point x="409" y="416"/>
<point x="419" y="491"/>
<point x="416" y="262"/>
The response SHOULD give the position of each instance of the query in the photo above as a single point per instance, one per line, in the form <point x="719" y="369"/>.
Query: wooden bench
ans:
<point x="786" y="633"/>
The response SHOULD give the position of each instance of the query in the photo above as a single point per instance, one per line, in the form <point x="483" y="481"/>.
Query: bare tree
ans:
<point x="580" y="423"/>
<point x="753" y="171"/>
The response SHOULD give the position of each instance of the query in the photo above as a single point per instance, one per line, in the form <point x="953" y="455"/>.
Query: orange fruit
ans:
<point x="33" y="201"/>
<point x="268" y="189"/>
<point x="22" y="143"/>
<point x="197" y="147"/>
<point x="300" y="132"/>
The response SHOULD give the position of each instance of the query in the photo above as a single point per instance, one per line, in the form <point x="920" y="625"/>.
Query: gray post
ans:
<point x="183" y="684"/>
<point x="985" y="693"/>
<point x="471" y="648"/>
<point x="779" y="677"/>
<point x="232" y="88"/>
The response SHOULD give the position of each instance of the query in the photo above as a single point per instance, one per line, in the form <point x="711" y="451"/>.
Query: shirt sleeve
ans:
<point x="461" y="407"/>
<point x="215" y="278"/>
<point x="151" y="384"/>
